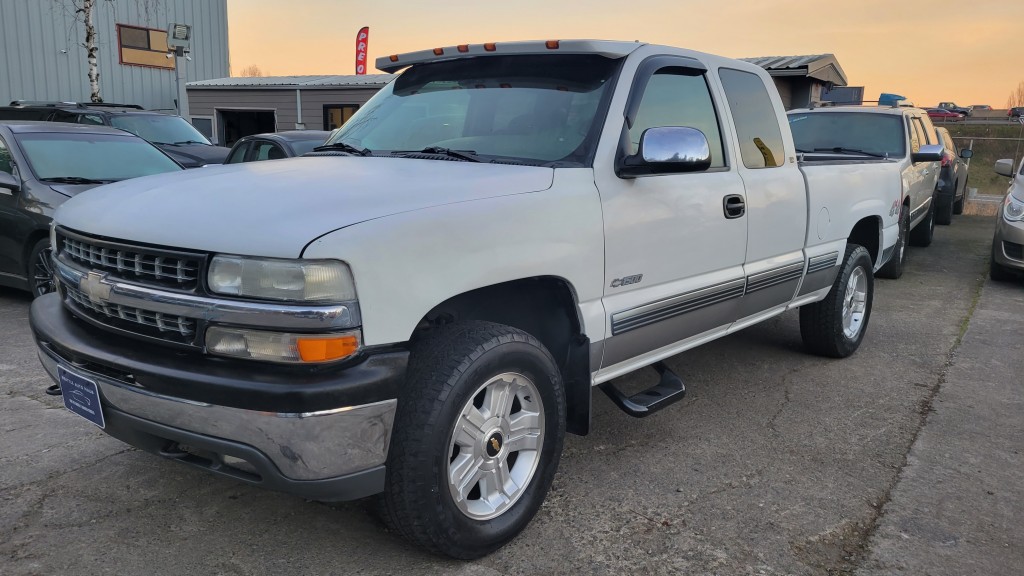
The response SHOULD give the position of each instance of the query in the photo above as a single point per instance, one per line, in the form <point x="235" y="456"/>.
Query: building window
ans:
<point x="335" y="115"/>
<point x="204" y="125"/>
<point x="143" y="47"/>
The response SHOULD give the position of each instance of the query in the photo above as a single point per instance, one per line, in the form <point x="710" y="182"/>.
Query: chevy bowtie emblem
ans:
<point x="495" y="444"/>
<point x="93" y="286"/>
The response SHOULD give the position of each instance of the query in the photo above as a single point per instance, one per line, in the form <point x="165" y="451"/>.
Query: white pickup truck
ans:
<point x="903" y="143"/>
<point x="423" y="308"/>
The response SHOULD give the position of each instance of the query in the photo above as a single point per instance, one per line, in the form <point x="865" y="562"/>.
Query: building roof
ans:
<point x="295" y="82"/>
<point x="822" y="67"/>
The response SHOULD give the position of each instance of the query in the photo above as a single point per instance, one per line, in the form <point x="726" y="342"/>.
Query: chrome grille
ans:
<point x="136" y="263"/>
<point x="167" y="326"/>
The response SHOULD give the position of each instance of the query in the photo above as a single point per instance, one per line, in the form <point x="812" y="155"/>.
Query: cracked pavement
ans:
<point x="900" y="458"/>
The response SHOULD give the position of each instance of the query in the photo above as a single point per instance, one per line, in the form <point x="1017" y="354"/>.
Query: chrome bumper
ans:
<point x="303" y="446"/>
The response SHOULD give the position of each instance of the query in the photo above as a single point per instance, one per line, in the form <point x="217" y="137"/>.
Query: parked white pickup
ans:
<point x="423" y="308"/>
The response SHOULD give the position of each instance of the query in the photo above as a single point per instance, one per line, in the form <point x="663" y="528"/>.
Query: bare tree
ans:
<point x="84" y="12"/>
<point x="1016" y="97"/>
<point x="251" y="71"/>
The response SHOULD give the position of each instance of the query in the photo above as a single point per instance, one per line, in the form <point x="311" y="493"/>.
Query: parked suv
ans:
<point x="1015" y="112"/>
<point x="952" y="184"/>
<point x="42" y="165"/>
<point x="1008" y="241"/>
<point x="173" y="134"/>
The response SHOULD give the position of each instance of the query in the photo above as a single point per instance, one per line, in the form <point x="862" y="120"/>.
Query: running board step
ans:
<point x="667" y="391"/>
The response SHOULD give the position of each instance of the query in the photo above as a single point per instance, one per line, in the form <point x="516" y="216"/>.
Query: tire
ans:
<point x="998" y="272"/>
<point x="922" y="235"/>
<point x="893" y="269"/>
<point x="835" y="326"/>
<point x="944" y="213"/>
<point x="450" y="418"/>
<point x="958" y="205"/>
<point x="39" y="271"/>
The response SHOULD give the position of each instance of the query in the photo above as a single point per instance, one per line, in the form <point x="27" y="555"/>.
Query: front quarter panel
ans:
<point x="406" y="264"/>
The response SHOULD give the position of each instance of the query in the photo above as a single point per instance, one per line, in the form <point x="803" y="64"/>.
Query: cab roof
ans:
<point x="607" y="48"/>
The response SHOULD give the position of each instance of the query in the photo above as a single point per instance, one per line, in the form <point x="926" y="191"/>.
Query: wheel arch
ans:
<point x="867" y="232"/>
<point x="546" y="307"/>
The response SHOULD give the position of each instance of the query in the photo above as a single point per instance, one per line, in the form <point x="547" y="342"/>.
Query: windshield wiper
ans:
<point x="841" y="150"/>
<point x="345" y="147"/>
<point x="191" y="142"/>
<point x="466" y="155"/>
<point x="73" y="180"/>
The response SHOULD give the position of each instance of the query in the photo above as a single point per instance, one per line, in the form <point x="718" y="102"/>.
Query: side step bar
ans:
<point x="669" y="390"/>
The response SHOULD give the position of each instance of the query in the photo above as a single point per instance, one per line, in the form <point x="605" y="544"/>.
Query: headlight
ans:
<point x="278" y="279"/>
<point x="1013" y="209"/>
<point x="281" y="346"/>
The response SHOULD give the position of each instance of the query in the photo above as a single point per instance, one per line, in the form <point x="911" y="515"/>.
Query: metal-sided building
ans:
<point x="236" y="107"/>
<point x="42" y="56"/>
<point x="802" y="79"/>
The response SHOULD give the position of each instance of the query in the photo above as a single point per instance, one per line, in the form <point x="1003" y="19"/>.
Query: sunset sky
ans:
<point x="929" y="51"/>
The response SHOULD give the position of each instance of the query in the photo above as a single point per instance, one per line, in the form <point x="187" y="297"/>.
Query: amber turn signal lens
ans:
<point x="327" y="349"/>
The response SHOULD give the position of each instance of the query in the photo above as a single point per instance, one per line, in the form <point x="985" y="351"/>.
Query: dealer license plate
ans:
<point x="81" y="396"/>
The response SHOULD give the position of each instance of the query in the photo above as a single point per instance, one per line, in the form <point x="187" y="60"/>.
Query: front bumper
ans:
<point x="1008" y="243"/>
<point x="319" y="433"/>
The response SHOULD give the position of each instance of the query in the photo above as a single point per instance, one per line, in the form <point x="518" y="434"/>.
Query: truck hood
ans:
<point x="275" y="208"/>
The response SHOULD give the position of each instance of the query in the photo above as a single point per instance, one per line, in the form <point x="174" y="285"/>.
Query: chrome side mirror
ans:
<point x="928" y="153"/>
<point x="667" y="150"/>
<point x="1004" y="167"/>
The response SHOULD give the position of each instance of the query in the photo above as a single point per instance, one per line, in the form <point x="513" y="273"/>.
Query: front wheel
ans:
<point x="40" y="269"/>
<point x="835" y="326"/>
<point x="477" y="438"/>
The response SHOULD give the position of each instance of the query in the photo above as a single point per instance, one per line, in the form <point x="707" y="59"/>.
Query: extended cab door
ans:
<point x="776" y="194"/>
<point x="920" y="177"/>
<point x="673" y="257"/>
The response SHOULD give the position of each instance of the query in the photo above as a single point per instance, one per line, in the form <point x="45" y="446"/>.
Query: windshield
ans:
<point x="104" y="157"/>
<point x="158" y="128"/>
<point x="875" y="134"/>
<point x="534" y="109"/>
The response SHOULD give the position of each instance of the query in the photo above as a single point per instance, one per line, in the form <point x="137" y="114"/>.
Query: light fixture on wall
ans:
<point x="179" y="40"/>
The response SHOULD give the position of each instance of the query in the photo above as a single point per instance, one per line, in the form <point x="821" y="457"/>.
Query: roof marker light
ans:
<point x="463" y="47"/>
<point x="490" y="47"/>
<point x="551" y="44"/>
<point x="393" y="57"/>
<point x="439" y="51"/>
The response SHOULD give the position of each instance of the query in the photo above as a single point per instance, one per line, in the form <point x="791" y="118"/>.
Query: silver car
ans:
<point x="1008" y="242"/>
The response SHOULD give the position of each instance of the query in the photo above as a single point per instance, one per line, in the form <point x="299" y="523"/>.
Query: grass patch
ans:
<point x="986" y="152"/>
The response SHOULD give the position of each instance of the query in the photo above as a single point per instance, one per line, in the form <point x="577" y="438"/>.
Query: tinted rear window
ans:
<point x="872" y="133"/>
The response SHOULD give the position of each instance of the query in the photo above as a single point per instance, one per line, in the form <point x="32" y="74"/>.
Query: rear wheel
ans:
<point x="476" y="441"/>
<point x="40" y="269"/>
<point x="958" y="204"/>
<point x="944" y="212"/>
<point x="835" y="326"/>
<point x="893" y="269"/>
<point x="922" y="235"/>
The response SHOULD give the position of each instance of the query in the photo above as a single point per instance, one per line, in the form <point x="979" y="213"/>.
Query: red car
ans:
<point x="944" y="115"/>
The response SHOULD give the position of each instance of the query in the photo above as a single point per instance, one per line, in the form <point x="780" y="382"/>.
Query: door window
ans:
<point x="5" y="159"/>
<point x="915" y="136"/>
<point x="238" y="155"/>
<point x="674" y="97"/>
<point x="922" y="134"/>
<point x="90" y="119"/>
<point x="757" y="122"/>
<point x="263" y="150"/>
